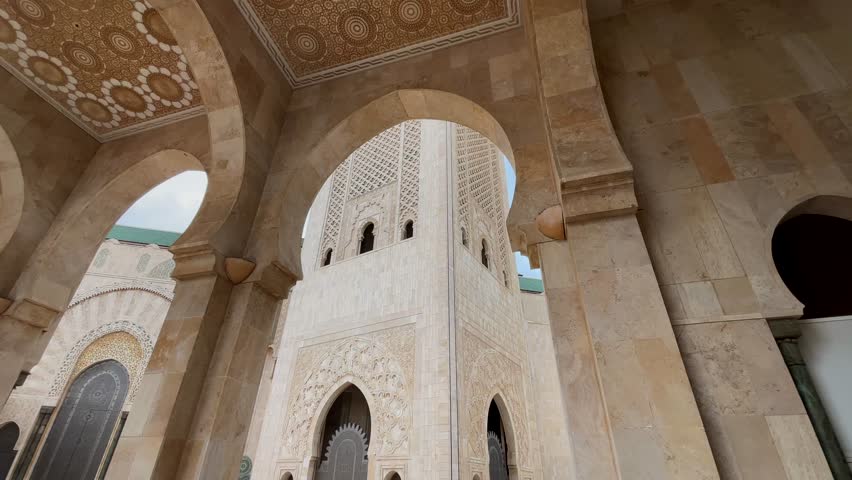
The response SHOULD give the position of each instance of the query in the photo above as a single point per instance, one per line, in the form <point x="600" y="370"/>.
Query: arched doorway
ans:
<point x="84" y="425"/>
<point x="498" y="449"/>
<point x="9" y="433"/>
<point x="345" y="437"/>
<point x="810" y="248"/>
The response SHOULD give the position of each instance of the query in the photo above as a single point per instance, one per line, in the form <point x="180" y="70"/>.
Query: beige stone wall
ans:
<point x="732" y="115"/>
<point x="50" y="168"/>
<point x="552" y="438"/>
<point x="116" y="313"/>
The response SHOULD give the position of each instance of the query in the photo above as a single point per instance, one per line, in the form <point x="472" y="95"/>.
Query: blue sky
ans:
<point x="172" y="205"/>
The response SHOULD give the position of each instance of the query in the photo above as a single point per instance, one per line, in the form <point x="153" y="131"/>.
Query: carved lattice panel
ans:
<point x="334" y="210"/>
<point x="376" y="163"/>
<point x="410" y="173"/>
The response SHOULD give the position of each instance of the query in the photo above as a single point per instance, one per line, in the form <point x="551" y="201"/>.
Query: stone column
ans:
<point x="222" y="419"/>
<point x="158" y="429"/>
<point x="628" y="401"/>
<point x="194" y="405"/>
<point x="787" y="335"/>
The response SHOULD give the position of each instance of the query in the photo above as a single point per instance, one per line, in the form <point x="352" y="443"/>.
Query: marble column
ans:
<point x="158" y="428"/>
<point x="628" y="400"/>
<point x="222" y="420"/>
<point x="788" y="344"/>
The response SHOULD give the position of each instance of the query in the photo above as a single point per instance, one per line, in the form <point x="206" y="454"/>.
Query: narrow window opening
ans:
<point x="484" y="253"/>
<point x="367" y="239"/>
<point x="505" y="279"/>
<point x="464" y="236"/>
<point x="326" y="259"/>
<point x="408" y="230"/>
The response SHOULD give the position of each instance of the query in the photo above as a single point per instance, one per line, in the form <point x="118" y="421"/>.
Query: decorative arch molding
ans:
<point x="490" y="375"/>
<point x="104" y="310"/>
<point x="162" y="290"/>
<point x="11" y="189"/>
<point x="69" y="365"/>
<point x="380" y="364"/>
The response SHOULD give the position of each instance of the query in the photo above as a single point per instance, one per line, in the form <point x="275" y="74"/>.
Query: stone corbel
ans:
<point x="550" y="223"/>
<point x="602" y="196"/>
<point x="277" y="280"/>
<point x="238" y="269"/>
<point x="30" y="313"/>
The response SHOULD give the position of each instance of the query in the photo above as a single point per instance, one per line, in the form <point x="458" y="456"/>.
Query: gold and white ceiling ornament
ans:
<point x="111" y="66"/>
<point x="317" y="40"/>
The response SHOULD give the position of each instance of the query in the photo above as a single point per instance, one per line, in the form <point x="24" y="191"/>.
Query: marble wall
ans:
<point x="732" y="114"/>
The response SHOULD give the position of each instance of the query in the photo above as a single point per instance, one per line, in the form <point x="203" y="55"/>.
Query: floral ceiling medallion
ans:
<point x="317" y="40"/>
<point x="113" y="67"/>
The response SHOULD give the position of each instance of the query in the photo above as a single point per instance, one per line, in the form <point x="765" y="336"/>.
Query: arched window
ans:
<point x="484" y="253"/>
<point x="368" y="238"/>
<point x="505" y="279"/>
<point x="326" y="258"/>
<point x="464" y="236"/>
<point x="287" y="476"/>
<point x="408" y="230"/>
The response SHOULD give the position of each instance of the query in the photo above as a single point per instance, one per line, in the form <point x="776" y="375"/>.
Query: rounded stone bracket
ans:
<point x="238" y="269"/>
<point x="550" y="223"/>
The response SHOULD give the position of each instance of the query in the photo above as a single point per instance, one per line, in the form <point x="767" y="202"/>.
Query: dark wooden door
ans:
<point x="9" y="433"/>
<point x="80" y="434"/>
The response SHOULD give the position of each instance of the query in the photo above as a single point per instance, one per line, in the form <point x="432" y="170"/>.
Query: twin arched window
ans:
<point x="368" y="238"/>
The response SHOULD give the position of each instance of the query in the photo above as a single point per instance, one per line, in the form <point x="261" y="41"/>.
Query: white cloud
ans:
<point x="169" y="206"/>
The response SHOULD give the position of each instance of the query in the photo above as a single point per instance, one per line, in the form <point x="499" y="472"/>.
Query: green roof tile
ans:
<point x="143" y="235"/>
<point x="533" y="285"/>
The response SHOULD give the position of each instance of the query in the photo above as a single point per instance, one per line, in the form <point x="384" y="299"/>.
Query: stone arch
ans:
<point x="836" y="206"/>
<point x="96" y="204"/>
<point x="11" y="189"/>
<point x="508" y="426"/>
<point x="225" y="165"/>
<point x="390" y="475"/>
<point x="821" y="204"/>
<point x="326" y="403"/>
<point x="286" y="206"/>
<point x="99" y="312"/>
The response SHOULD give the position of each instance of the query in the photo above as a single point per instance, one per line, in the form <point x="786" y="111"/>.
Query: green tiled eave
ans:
<point x="533" y="285"/>
<point x="143" y="236"/>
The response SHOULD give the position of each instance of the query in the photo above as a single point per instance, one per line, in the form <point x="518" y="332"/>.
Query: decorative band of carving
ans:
<point x="163" y="290"/>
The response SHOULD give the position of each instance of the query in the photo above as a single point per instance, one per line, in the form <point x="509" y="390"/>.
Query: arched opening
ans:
<point x="484" y="254"/>
<point x="287" y="476"/>
<point x="86" y="420"/>
<point x="408" y="230"/>
<point x="813" y="256"/>
<point x="498" y="449"/>
<point x="464" y="237"/>
<point x="345" y="437"/>
<point x="9" y="434"/>
<point x="326" y="259"/>
<point x="393" y="476"/>
<point x="811" y="251"/>
<point x="368" y="238"/>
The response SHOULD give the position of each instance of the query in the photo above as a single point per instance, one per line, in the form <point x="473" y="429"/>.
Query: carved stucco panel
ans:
<point x="382" y="362"/>
<point x="486" y="372"/>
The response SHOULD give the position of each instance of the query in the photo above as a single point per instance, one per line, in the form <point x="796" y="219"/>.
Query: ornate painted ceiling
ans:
<point x="112" y="66"/>
<point x="317" y="40"/>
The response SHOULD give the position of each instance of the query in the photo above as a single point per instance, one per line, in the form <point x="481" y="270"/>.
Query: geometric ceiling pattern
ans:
<point x="317" y="40"/>
<point x="111" y="66"/>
